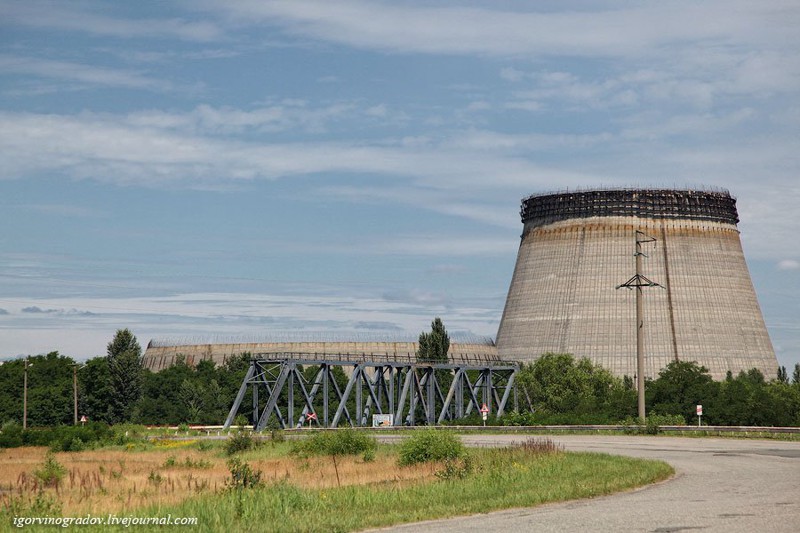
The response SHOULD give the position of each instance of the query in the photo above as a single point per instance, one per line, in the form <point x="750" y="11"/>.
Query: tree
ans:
<point x="96" y="394"/>
<point x="125" y="372"/>
<point x="680" y="386"/>
<point x="563" y="390"/>
<point x="433" y="346"/>
<point x="783" y="376"/>
<point x="796" y="374"/>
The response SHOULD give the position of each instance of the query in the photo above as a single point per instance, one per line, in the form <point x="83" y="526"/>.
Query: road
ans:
<point x="728" y="485"/>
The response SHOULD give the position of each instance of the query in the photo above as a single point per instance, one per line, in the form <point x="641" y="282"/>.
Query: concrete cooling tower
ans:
<point x="578" y="247"/>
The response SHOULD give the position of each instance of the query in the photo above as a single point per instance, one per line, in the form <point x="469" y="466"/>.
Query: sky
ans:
<point x="210" y="168"/>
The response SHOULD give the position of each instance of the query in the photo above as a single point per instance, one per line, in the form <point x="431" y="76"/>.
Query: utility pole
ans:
<point x="25" y="396"/>
<point x="75" y="393"/>
<point x="638" y="281"/>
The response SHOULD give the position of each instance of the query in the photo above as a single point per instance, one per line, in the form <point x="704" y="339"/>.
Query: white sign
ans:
<point x="485" y="415"/>
<point x="699" y="410"/>
<point x="379" y="421"/>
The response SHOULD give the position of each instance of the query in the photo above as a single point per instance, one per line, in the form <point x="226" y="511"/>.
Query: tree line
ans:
<point x="554" y="389"/>
<point x="560" y="389"/>
<point x="116" y="388"/>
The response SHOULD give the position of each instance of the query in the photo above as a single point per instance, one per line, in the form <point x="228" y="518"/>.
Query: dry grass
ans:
<point x="102" y="481"/>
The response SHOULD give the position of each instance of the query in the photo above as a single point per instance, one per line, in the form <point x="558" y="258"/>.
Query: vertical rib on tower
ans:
<point x="577" y="247"/>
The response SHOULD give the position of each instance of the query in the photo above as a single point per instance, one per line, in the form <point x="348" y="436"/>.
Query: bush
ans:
<point x="243" y="476"/>
<point x="11" y="435"/>
<point x="69" y="438"/>
<point x="51" y="472"/>
<point x="455" y="469"/>
<point x="652" y="423"/>
<point x="430" y="445"/>
<point x="240" y="441"/>
<point x="337" y="442"/>
<point x="541" y="418"/>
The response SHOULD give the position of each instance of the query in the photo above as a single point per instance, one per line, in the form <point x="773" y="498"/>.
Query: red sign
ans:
<point x="484" y="409"/>
<point x="311" y="416"/>
<point x="699" y="410"/>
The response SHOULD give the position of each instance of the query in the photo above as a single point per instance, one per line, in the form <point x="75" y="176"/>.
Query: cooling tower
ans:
<point x="578" y="247"/>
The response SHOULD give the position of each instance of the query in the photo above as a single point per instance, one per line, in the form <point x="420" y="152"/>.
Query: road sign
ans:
<point x="382" y="420"/>
<point x="484" y="409"/>
<point x="83" y="419"/>
<point x="699" y="410"/>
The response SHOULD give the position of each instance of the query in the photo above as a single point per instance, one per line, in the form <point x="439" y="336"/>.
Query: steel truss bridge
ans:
<point x="302" y="388"/>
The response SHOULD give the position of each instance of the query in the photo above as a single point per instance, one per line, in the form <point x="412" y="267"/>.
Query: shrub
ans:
<point x="339" y="442"/>
<point x="275" y="431"/>
<point x="430" y="445"/>
<point x="652" y="423"/>
<point x="242" y="440"/>
<point x="155" y="478"/>
<point x="455" y="469"/>
<point x="11" y="435"/>
<point x="69" y="438"/>
<point x="51" y="472"/>
<point x="243" y="476"/>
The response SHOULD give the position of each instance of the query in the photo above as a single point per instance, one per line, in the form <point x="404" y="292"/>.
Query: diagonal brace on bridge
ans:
<point x="327" y="393"/>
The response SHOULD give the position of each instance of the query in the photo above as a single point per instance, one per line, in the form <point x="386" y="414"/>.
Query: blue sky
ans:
<point x="232" y="168"/>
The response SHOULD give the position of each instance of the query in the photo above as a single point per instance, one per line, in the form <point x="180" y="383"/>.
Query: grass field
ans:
<point x="317" y="493"/>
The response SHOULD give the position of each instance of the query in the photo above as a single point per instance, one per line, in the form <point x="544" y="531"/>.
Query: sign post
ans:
<point x="484" y="414"/>
<point x="311" y="416"/>
<point x="699" y="414"/>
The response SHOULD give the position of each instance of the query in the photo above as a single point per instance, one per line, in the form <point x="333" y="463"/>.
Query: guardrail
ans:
<point x="574" y="428"/>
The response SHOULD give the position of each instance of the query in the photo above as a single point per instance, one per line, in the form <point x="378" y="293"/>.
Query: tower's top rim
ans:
<point x="712" y="205"/>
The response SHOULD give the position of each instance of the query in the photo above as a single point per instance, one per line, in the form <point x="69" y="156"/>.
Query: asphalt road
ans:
<point x="721" y="485"/>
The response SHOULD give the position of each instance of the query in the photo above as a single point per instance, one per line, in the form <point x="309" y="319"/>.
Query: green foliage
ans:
<point x="59" y="438"/>
<point x="275" y="432"/>
<point x="500" y="480"/>
<point x="557" y="384"/>
<point x="95" y="395"/>
<point x="680" y="387"/>
<point x="155" y="478"/>
<point x="51" y="471"/>
<point x="345" y="441"/>
<point x="240" y="441"/>
<point x="430" y="445"/>
<point x="542" y="418"/>
<point x="243" y="476"/>
<point x="369" y="455"/>
<point x="433" y="346"/>
<point x="456" y="469"/>
<point x="188" y="462"/>
<point x="40" y="504"/>
<point x="652" y="423"/>
<point x="11" y="435"/>
<point x="125" y="373"/>
<point x="49" y="390"/>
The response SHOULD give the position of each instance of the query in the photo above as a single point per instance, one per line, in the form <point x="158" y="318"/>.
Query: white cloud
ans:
<point x="239" y="314"/>
<point x="72" y="17"/>
<point x="105" y="148"/>
<point x="788" y="264"/>
<point x="608" y="30"/>
<point x="85" y="74"/>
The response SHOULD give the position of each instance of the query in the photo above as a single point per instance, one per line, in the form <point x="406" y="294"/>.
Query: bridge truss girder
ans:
<point x="434" y="392"/>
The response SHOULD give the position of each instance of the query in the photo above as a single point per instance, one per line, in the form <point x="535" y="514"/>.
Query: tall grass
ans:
<point x="502" y="478"/>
